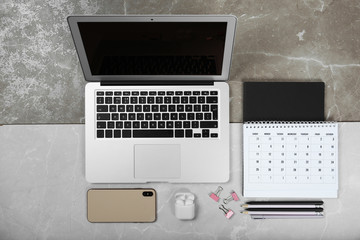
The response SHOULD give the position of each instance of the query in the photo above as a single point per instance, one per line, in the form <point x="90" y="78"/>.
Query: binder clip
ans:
<point x="233" y="196"/>
<point x="216" y="194"/>
<point x="228" y="212"/>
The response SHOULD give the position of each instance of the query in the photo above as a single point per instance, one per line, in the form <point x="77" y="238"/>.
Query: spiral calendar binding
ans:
<point x="289" y="124"/>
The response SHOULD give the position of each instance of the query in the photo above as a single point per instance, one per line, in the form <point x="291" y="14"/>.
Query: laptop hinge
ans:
<point x="154" y="83"/>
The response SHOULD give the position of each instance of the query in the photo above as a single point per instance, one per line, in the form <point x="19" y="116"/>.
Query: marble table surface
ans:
<point x="276" y="40"/>
<point x="43" y="194"/>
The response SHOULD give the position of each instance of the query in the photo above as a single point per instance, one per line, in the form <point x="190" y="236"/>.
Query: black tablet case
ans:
<point x="283" y="101"/>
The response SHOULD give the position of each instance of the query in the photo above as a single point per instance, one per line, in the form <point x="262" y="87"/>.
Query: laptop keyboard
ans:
<point x="157" y="114"/>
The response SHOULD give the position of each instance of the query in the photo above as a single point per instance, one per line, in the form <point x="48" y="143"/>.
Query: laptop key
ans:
<point x="115" y="116"/>
<point x="121" y="108"/>
<point x="163" y="108"/>
<point x="127" y="93"/>
<point x="178" y="124"/>
<point x="119" y="124"/>
<point x="109" y="93"/>
<point x="205" y="93"/>
<point x="146" y="108"/>
<point x="123" y="116"/>
<point x="102" y="108"/>
<point x="179" y="133"/>
<point x="140" y="116"/>
<point x="187" y="93"/>
<point x="117" y="100"/>
<point x="205" y="133"/>
<point x="214" y="135"/>
<point x="157" y="116"/>
<point x="100" y="93"/>
<point x="99" y="100"/>
<point x="201" y="99"/>
<point x="213" y="93"/>
<point x="138" y="108"/>
<point x="144" y="124"/>
<point x="148" y="116"/>
<point x="136" y="124"/>
<point x="207" y="116"/>
<point x="142" y="100"/>
<point x="161" y="124"/>
<point x="143" y="93"/>
<point x="186" y="124"/>
<point x="167" y="99"/>
<point x="205" y="108"/>
<point x="134" y="100"/>
<point x="112" y="108"/>
<point x="169" y="124"/>
<point x="208" y="124"/>
<point x="101" y="124"/>
<point x="100" y="133"/>
<point x="131" y="116"/>
<point x="170" y="93"/>
<point x="129" y="108"/>
<point x="135" y="93"/>
<point x="188" y="133"/>
<point x="110" y="124"/>
<point x="153" y="124"/>
<point x="126" y="133"/>
<point x="165" y="116"/>
<point x="150" y="100"/>
<point x="174" y="116"/>
<point x="152" y="93"/>
<point x="197" y="135"/>
<point x="127" y="124"/>
<point x="153" y="133"/>
<point x="108" y="133"/>
<point x="184" y="99"/>
<point x="178" y="93"/>
<point x="182" y="116"/>
<point x="117" y="133"/>
<point x="103" y="116"/>
<point x="195" y="124"/>
<point x="125" y="100"/>
<point x="211" y="99"/>
<point x="161" y="93"/>
<point x="108" y="100"/>
<point x="117" y="93"/>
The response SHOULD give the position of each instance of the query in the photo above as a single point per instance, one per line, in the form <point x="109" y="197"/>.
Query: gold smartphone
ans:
<point x="121" y="205"/>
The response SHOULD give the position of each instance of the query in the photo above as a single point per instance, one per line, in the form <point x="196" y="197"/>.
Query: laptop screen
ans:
<point x="154" y="48"/>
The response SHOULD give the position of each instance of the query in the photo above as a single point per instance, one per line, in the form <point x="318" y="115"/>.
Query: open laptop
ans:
<point x="157" y="104"/>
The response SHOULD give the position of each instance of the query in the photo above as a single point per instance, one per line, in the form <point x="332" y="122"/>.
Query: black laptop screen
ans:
<point x="154" y="48"/>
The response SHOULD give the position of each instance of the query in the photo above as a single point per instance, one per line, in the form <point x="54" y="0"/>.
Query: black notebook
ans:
<point x="283" y="101"/>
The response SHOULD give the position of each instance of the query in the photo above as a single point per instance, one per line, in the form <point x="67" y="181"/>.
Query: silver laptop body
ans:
<point x="157" y="104"/>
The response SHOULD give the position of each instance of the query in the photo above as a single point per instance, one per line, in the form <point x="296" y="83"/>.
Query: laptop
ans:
<point x="156" y="101"/>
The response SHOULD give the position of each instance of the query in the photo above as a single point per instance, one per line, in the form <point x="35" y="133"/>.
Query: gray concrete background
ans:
<point x="41" y="80"/>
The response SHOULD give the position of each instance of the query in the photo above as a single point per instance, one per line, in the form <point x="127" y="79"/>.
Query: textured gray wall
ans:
<point x="41" y="80"/>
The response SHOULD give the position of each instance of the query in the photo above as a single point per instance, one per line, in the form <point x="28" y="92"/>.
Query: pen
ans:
<point x="284" y="204"/>
<point x="284" y="212"/>
<point x="285" y="216"/>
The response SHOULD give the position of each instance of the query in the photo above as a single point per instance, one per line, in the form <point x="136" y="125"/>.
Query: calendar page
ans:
<point x="290" y="159"/>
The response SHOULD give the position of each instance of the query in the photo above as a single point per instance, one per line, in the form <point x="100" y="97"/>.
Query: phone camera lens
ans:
<point x="147" y="194"/>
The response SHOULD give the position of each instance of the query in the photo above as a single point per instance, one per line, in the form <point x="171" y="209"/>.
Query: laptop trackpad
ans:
<point x="157" y="161"/>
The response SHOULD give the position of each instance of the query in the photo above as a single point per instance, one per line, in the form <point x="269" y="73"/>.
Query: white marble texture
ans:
<point x="43" y="194"/>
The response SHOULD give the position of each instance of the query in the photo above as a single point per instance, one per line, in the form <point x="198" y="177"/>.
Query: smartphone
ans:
<point x="121" y="205"/>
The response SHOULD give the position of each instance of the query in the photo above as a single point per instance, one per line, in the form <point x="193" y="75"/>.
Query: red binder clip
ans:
<point x="228" y="212"/>
<point x="216" y="194"/>
<point x="233" y="196"/>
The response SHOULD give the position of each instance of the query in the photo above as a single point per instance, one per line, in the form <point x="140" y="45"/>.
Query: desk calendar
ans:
<point x="290" y="159"/>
